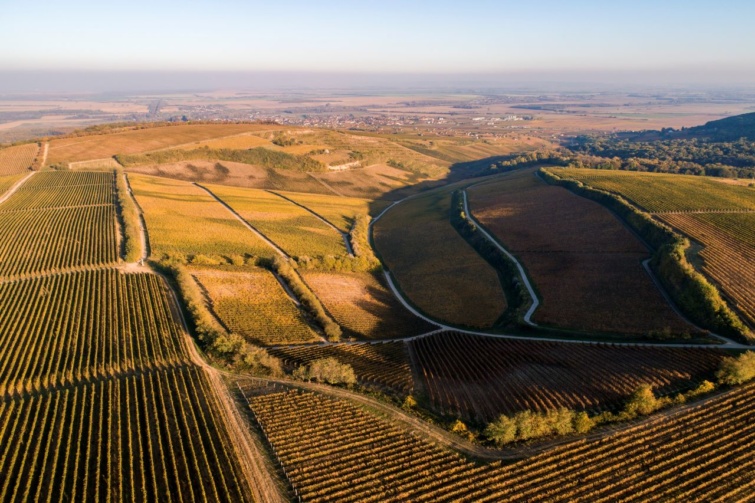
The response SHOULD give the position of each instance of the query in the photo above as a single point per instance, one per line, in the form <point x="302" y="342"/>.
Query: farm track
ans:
<point x="263" y="485"/>
<point x="344" y="235"/>
<point x="144" y="236"/>
<point x="727" y="343"/>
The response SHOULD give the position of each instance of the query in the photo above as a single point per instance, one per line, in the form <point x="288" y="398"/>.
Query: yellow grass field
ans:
<point x="183" y="219"/>
<point x="85" y="148"/>
<point x="295" y="230"/>
<point x="434" y="266"/>
<point x="14" y="160"/>
<point x="363" y="306"/>
<point x="339" y="211"/>
<point x="242" y="141"/>
<point x="253" y="304"/>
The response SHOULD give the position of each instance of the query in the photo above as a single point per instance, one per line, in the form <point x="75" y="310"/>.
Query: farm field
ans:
<point x="364" y="307"/>
<point x="294" y="229"/>
<point x="253" y="304"/>
<point x="59" y="329"/>
<point x="18" y="159"/>
<point x="699" y="453"/>
<point x="49" y="189"/>
<point x="183" y="219"/>
<point x="136" y="438"/>
<point x="8" y="181"/>
<point x="586" y="266"/>
<point x="480" y="378"/>
<point x="100" y="146"/>
<point x="339" y="211"/>
<point x="728" y="253"/>
<point x="660" y="193"/>
<point x="434" y="266"/>
<point x="375" y="181"/>
<point x="384" y="366"/>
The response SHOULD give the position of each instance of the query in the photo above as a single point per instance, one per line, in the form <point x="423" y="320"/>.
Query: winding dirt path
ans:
<point x="726" y="343"/>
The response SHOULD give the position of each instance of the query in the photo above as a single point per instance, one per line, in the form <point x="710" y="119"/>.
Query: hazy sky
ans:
<point x="378" y="36"/>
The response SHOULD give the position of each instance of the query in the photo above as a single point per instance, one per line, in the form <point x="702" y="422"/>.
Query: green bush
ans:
<point x="327" y="370"/>
<point x="737" y="370"/>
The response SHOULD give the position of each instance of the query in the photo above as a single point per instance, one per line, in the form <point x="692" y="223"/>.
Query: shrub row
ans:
<point x="130" y="220"/>
<point x="308" y="299"/>
<point x="516" y="298"/>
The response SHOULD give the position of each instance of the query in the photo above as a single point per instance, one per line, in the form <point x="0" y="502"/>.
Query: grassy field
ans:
<point x="253" y="304"/>
<point x="434" y="266"/>
<point x="658" y="193"/>
<point x="728" y="254"/>
<point x="184" y="219"/>
<point x="363" y="306"/>
<point x="584" y="263"/>
<point x="702" y="453"/>
<point x="295" y="230"/>
<point x="479" y="378"/>
<point x="339" y="211"/>
<point x="85" y="148"/>
<point x="15" y="160"/>
<point x="382" y="366"/>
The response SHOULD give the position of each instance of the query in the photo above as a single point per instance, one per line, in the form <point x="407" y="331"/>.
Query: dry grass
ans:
<point x="253" y="304"/>
<point x="183" y="219"/>
<point x="585" y="264"/>
<point x="435" y="267"/>
<point x="14" y="160"/>
<point x="295" y="230"/>
<point x="86" y="148"/>
<point x="235" y="174"/>
<point x="363" y="306"/>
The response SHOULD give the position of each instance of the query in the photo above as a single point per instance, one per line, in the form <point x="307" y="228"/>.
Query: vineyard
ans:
<point x="700" y="453"/>
<point x="55" y="239"/>
<point x="294" y="229"/>
<point x="364" y="307"/>
<point x="660" y="193"/>
<point x="434" y="266"/>
<point x="149" y="437"/>
<point x="479" y="378"/>
<point x="584" y="263"/>
<point x="384" y="366"/>
<point x="182" y="219"/>
<point x="253" y="304"/>
<point x="63" y="189"/>
<point x="60" y="329"/>
<point x="15" y="160"/>
<point x="8" y="181"/>
<point x="728" y="256"/>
